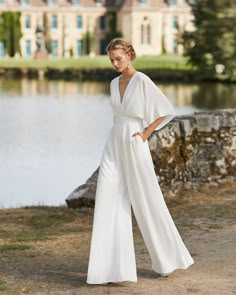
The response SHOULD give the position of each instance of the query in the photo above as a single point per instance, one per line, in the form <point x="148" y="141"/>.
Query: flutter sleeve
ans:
<point x="156" y="104"/>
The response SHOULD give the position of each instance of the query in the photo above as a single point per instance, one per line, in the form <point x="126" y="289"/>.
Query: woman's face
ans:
<point x="119" y="59"/>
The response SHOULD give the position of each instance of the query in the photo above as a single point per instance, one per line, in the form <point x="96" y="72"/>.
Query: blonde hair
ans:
<point x="119" y="43"/>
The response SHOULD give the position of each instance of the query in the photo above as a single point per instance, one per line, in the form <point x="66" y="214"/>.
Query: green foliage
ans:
<point x="163" y="45"/>
<point x="46" y="28"/>
<point x="88" y="42"/>
<point x="71" y="52"/>
<point x="111" y="17"/>
<point x="50" y="219"/>
<point x="3" y="285"/>
<point x="214" y="40"/>
<point x="34" y="224"/>
<point x="158" y="63"/>
<point x="14" y="247"/>
<point x="10" y="32"/>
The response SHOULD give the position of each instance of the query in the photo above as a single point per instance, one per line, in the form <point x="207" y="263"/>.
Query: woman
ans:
<point x="127" y="178"/>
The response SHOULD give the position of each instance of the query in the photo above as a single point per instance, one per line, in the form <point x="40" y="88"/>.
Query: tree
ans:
<point x="87" y="42"/>
<point x="214" y="40"/>
<point x="111" y="16"/>
<point x="46" y="28"/>
<point x="10" y="32"/>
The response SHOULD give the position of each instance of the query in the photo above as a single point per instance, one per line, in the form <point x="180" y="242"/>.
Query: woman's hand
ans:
<point x="142" y="134"/>
<point x="148" y="131"/>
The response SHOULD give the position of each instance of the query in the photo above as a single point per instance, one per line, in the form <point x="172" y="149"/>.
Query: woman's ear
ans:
<point x="129" y="55"/>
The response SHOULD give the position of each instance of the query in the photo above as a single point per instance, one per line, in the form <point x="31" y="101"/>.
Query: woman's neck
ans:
<point x="128" y="72"/>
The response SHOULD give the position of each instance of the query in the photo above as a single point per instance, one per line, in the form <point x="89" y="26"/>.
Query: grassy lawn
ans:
<point x="164" y="62"/>
<point x="33" y="224"/>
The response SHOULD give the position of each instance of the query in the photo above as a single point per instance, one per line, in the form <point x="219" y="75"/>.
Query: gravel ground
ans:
<point x="45" y="250"/>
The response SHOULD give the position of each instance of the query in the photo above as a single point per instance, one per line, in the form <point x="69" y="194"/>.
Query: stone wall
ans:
<point x="191" y="150"/>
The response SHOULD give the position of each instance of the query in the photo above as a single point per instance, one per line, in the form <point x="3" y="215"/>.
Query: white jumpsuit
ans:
<point x="127" y="178"/>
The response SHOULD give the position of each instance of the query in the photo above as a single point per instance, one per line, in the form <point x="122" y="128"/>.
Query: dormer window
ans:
<point x="52" y="2"/>
<point x="76" y="2"/>
<point x="172" y="2"/>
<point x="24" y="2"/>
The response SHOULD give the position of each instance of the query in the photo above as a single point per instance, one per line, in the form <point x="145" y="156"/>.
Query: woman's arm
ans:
<point x="148" y="131"/>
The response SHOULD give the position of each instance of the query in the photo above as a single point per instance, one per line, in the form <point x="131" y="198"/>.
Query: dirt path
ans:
<point x="45" y="250"/>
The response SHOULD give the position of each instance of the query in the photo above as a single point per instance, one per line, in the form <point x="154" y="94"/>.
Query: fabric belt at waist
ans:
<point x="126" y="119"/>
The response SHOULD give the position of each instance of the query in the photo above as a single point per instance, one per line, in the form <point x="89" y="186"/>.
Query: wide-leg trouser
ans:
<point x="127" y="178"/>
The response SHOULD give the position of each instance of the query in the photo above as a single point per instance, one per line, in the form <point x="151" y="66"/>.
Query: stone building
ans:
<point x="77" y="27"/>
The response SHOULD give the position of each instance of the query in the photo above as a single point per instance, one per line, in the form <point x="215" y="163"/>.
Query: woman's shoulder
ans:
<point x="144" y="78"/>
<point x="114" y="80"/>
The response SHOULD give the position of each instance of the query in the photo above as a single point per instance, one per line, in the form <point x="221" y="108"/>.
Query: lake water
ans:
<point x="52" y="133"/>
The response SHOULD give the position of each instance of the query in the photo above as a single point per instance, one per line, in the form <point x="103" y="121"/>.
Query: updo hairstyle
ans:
<point x="119" y="43"/>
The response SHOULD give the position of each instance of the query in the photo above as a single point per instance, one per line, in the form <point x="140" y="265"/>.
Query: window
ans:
<point x="172" y="2"/>
<point x="175" y="22"/>
<point x="146" y="31"/>
<point x="175" y="47"/>
<point x="27" y="22"/>
<point x="2" y="51"/>
<point x="143" y="1"/>
<point x="54" y="21"/>
<point x="24" y="2"/>
<point x="79" y="47"/>
<point x="28" y="48"/>
<point x="76" y="2"/>
<point x="52" y="2"/>
<point x="79" y="22"/>
<point x="102" y="22"/>
<point x="54" y="48"/>
<point x="1" y="2"/>
<point x="102" y="46"/>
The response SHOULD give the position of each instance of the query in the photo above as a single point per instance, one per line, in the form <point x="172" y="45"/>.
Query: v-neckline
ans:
<point x="121" y="101"/>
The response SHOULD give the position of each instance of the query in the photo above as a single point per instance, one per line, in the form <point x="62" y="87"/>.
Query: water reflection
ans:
<point x="207" y="96"/>
<point x="49" y="144"/>
<point x="214" y="96"/>
<point x="52" y="133"/>
<point x="26" y="87"/>
<point x="179" y="94"/>
<point x="195" y="96"/>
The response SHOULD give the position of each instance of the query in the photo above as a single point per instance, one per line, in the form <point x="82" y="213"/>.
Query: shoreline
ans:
<point x="107" y="74"/>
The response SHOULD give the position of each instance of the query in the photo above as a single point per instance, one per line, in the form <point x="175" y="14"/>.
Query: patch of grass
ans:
<point x="50" y="218"/>
<point x="4" y="234"/>
<point x="59" y="63"/>
<point x="33" y="224"/>
<point x="163" y="62"/>
<point x="3" y="285"/>
<point x="31" y="236"/>
<point x="45" y="223"/>
<point x="14" y="247"/>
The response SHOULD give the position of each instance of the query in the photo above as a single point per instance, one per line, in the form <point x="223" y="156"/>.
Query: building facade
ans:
<point x="78" y="27"/>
